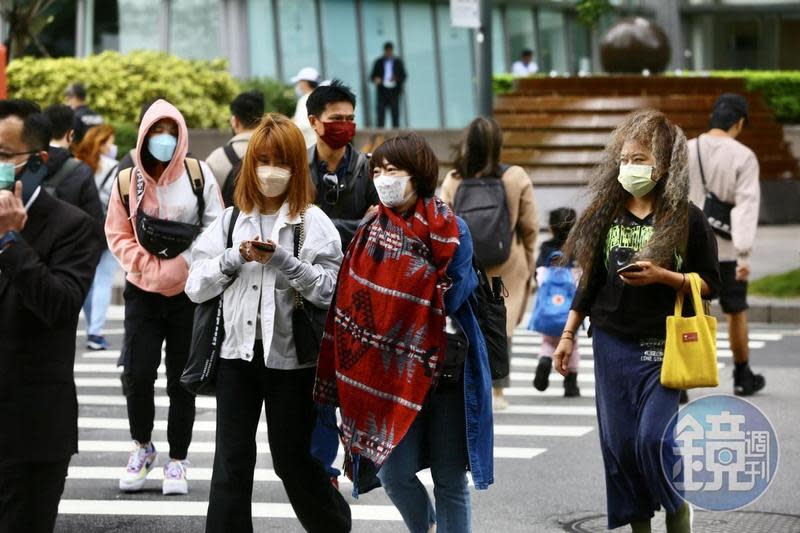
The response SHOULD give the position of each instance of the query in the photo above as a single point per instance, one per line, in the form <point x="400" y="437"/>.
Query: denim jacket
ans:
<point x="459" y="304"/>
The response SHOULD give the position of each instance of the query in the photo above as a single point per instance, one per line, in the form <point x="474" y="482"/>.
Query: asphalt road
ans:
<point x="548" y="468"/>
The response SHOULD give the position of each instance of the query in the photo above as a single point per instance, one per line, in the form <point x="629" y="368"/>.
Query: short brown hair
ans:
<point x="277" y="141"/>
<point x="412" y="153"/>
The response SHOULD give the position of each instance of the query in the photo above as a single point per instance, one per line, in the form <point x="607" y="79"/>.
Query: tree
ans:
<point x="26" y="20"/>
<point x="590" y="11"/>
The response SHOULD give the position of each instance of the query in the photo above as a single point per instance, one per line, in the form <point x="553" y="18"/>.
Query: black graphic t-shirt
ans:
<point x="641" y="312"/>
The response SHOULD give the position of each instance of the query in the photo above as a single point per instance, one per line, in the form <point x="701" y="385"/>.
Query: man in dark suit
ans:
<point x="389" y="75"/>
<point x="48" y="254"/>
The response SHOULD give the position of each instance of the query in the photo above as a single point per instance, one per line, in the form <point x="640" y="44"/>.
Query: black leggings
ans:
<point x="150" y="319"/>
<point x="242" y="389"/>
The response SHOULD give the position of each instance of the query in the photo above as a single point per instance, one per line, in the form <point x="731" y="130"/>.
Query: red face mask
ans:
<point x="339" y="133"/>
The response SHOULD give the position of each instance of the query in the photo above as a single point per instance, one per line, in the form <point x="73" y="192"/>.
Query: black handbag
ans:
<point x="491" y="314"/>
<point x="717" y="212"/>
<point x="455" y="355"/>
<point x="308" y="320"/>
<point x="208" y="332"/>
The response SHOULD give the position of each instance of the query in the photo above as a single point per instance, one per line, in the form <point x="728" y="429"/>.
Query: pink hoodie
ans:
<point x="170" y="198"/>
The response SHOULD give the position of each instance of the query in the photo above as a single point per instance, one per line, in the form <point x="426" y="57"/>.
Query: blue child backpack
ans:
<point x="553" y="299"/>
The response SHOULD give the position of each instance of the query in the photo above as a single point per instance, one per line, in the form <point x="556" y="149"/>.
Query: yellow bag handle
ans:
<point x="697" y="299"/>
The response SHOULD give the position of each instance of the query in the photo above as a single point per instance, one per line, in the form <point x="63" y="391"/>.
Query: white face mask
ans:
<point x="272" y="181"/>
<point x="392" y="190"/>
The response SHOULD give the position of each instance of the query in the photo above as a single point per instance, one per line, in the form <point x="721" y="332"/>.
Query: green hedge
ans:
<point x="118" y="84"/>
<point x="781" y="88"/>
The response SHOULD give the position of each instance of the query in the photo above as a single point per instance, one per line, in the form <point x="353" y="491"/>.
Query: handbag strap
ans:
<point x="697" y="299"/>
<point x="231" y="224"/>
<point x="299" y="240"/>
<point x="700" y="162"/>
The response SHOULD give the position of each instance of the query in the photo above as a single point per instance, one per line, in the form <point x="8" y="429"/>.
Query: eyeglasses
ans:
<point x="332" y="181"/>
<point x="8" y="156"/>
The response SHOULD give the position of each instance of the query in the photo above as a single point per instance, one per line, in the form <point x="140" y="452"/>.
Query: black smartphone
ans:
<point x="263" y="246"/>
<point x="630" y="267"/>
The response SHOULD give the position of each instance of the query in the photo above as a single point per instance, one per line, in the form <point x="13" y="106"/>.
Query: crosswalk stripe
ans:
<point x="551" y="391"/>
<point x="106" y="332"/>
<point x="184" y="508"/>
<point x="204" y="447"/>
<point x="558" y="410"/>
<point x="583" y="377"/>
<point x="522" y="334"/>
<point x="209" y="426"/>
<point x="201" y="402"/>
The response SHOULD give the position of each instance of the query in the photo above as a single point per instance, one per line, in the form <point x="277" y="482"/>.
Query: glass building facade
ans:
<point x="342" y="38"/>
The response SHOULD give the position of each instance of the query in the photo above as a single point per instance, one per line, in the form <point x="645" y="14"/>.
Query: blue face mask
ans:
<point x="162" y="146"/>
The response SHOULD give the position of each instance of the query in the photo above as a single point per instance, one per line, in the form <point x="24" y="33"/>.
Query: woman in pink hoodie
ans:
<point x="156" y="211"/>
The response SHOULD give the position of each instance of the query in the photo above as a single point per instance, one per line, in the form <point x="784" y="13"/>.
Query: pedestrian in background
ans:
<point x="556" y="289"/>
<point x="304" y="83"/>
<point x="128" y="160"/>
<point x="99" y="151"/>
<point x="478" y="157"/>
<point x="48" y="253"/>
<point x="61" y="119"/>
<point x="85" y="117"/>
<point x="246" y="112"/>
<point x="388" y="75"/>
<point x="525" y="65"/>
<point x="721" y="166"/>
<point x="385" y="358"/>
<point x="634" y="243"/>
<point x="260" y="367"/>
<point x="156" y="212"/>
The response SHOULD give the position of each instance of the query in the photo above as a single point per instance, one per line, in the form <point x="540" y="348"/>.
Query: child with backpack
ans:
<point x="557" y="286"/>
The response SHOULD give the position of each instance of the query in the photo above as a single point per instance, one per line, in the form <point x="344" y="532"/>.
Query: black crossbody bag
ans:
<point x="717" y="212"/>
<point x="208" y="332"/>
<point x="308" y="320"/>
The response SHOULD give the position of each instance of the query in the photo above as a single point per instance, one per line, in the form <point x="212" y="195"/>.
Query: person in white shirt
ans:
<point x="260" y="277"/>
<point x="722" y="166"/>
<point x="526" y="65"/>
<point x="304" y="83"/>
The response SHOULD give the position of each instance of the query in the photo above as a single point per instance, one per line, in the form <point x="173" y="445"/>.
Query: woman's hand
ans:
<point x="648" y="275"/>
<point x="562" y="354"/>
<point x="251" y="253"/>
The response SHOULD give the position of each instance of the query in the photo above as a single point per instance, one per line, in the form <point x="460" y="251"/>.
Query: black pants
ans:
<point x="242" y="388"/>
<point x="388" y="98"/>
<point x="29" y="496"/>
<point x="150" y="319"/>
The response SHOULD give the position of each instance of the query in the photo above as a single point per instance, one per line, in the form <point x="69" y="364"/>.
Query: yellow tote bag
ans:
<point x="690" y="352"/>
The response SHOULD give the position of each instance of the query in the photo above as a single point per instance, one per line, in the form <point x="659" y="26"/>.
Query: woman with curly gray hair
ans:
<point x="635" y="242"/>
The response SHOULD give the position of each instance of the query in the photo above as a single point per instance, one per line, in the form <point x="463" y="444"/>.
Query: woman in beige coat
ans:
<point x="478" y="156"/>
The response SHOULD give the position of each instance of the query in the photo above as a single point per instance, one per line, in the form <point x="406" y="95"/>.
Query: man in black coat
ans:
<point x="48" y="254"/>
<point x="85" y="117"/>
<point x="388" y="75"/>
<point x="70" y="179"/>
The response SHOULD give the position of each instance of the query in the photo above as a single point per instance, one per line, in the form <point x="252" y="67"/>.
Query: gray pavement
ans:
<point x="548" y="468"/>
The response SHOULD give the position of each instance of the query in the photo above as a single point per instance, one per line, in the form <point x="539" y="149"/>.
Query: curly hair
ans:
<point x="667" y="143"/>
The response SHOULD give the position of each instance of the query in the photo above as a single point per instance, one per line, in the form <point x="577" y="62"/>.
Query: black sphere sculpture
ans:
<point x="633" y="45"/>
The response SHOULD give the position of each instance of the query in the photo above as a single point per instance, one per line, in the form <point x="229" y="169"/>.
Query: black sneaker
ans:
<point x="684" y="398"/>
<point x="571" y="389"/>
<point x="542" y="378"/>
<point x="746" y="383"/>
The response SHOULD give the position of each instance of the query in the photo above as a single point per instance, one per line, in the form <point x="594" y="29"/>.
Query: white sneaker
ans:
<point x="140" y="464"/>
<point x="175" y="478"/>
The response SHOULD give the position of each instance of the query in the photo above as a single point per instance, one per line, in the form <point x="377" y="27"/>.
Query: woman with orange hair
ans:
<point x="283" y="249"/>
<point x="97" y="149"/>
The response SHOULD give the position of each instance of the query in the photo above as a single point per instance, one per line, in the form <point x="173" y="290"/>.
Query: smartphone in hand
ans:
<point x="263" y="246"/>
<point x="630" y="267"/>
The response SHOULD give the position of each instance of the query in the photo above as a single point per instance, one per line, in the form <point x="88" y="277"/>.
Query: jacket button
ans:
<point x="249" y="322"/>
<point x="255" y="287"/>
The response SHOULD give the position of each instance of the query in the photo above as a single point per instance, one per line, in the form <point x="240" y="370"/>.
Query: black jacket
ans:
<point x="44" y="279"/>
<point x="78" y="188"/>
<point x="399" y="71"/>
<point x="84" y="118"/>
<point x="357" y="195"/>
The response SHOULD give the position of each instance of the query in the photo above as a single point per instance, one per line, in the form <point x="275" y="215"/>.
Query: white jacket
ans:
<point x="215" y="269"/>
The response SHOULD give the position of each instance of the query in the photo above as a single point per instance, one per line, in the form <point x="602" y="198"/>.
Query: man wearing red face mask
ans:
<point x="339" y="171"/>
<point x="345" y="192"/>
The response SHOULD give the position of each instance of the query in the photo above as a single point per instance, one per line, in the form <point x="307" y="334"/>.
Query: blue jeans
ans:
<point x="436" y="438"/>
<point x="325" y="439"/>
<point x="99" y="298"/>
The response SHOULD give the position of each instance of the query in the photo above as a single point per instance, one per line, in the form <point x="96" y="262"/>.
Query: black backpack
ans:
<point x="230" y="182"/>
<point x="481" y="202"/>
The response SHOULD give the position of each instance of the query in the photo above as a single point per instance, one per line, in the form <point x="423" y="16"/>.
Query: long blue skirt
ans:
<point x="633" y="409"/>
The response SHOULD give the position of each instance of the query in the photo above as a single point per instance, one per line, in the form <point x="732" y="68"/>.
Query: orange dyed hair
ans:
<point x="277" y="142"/>
<point x="88" y="150"/>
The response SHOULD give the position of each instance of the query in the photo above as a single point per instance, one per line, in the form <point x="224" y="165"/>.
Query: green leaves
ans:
<point x="590" y="11"/>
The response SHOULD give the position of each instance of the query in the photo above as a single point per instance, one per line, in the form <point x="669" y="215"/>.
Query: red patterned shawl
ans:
<point x="384" y="339"/>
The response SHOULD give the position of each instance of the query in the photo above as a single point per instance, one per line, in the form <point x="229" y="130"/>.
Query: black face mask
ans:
<point x="32" y="176"/>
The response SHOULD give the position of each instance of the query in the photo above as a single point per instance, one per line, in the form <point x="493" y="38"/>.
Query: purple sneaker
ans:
<point x="140" y="464"/>
<point x="175" y="478"/>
